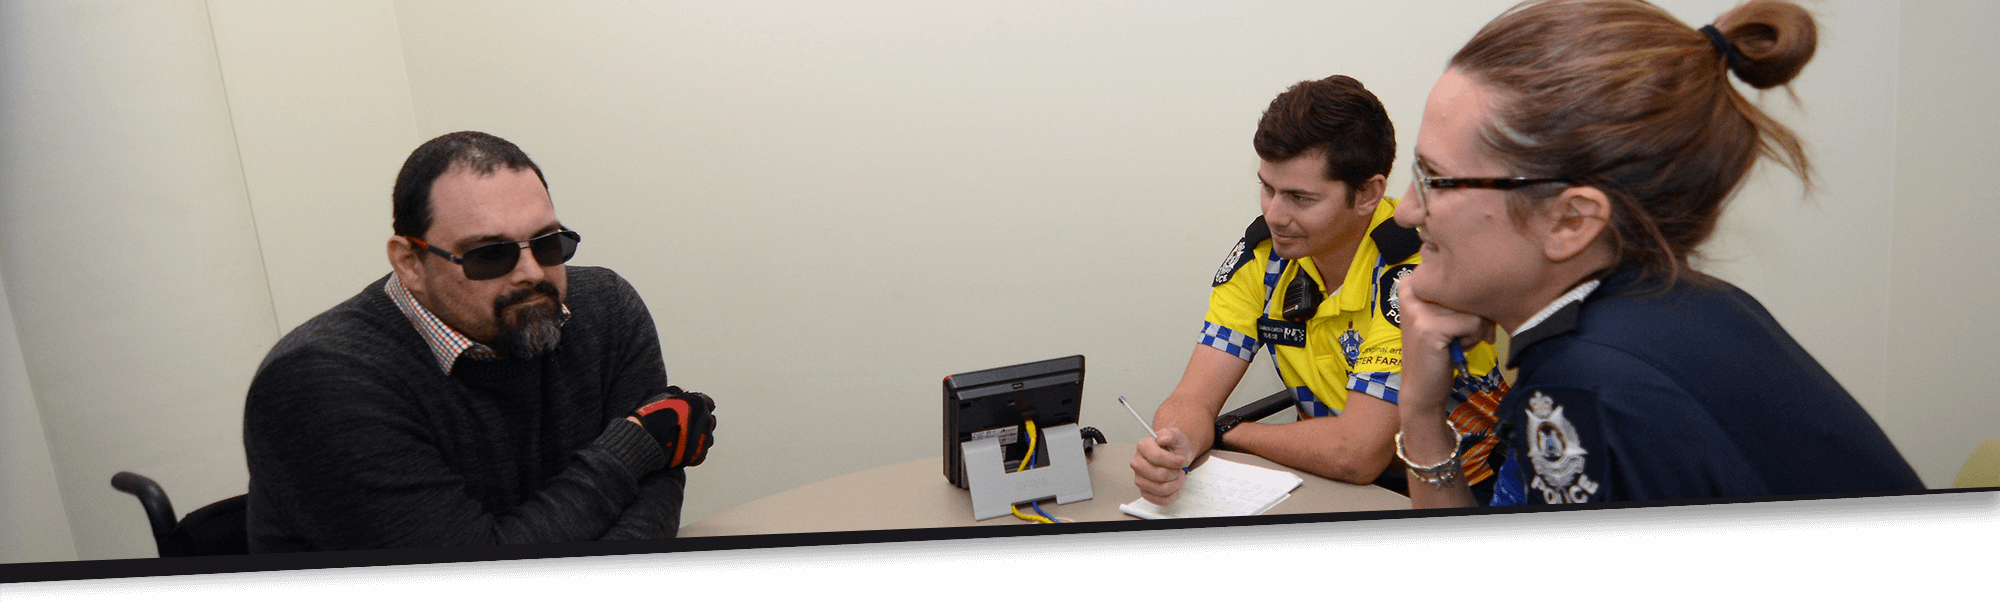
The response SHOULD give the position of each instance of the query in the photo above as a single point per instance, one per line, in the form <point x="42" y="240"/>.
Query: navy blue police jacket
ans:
<point x="1631" y="394"/>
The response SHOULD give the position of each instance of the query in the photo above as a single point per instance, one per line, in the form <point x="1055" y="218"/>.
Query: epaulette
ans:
<point x="1395" y="242"/>
<point x="1256" y="234"/>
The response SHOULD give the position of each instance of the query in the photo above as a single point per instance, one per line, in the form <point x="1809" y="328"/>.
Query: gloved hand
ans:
<point x="684" y="424"/>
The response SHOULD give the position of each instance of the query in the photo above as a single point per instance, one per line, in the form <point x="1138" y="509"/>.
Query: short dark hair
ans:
<point x="1336" y="116"/>
<point x="476" y="151"/>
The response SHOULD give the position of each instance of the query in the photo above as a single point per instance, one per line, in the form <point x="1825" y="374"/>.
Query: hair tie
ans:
<point x="1722" y="45"/>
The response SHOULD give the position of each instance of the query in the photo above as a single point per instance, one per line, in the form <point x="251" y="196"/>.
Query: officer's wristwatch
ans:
<point x="1223" y="424"/>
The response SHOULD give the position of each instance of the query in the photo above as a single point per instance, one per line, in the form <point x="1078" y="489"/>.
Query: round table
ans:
<point x="915" y="494"/>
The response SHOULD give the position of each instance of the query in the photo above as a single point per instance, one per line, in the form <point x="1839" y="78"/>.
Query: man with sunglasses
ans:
<point x="483" y="392"/>
<point x="1312" y="282"/>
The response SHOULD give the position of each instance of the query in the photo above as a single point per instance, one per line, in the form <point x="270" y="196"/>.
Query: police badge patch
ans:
<point x="1385" y="293"/>
<point x="1230" y="263"/>
<point x="1350" y="344"/>
<point x="1555" y="448"/>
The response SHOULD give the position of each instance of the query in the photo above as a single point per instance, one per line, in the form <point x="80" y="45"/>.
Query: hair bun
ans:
<point x="1775" y="39"/>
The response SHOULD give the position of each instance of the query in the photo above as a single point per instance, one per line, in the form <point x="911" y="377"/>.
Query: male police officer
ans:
<point x="1313" y="280"/>
<point x="481" y="393"/>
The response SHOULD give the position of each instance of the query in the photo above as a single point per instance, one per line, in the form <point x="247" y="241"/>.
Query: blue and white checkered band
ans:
<point x="1376" y="384"/>
<point x="1309" y="404"/>
<point x="1463" y="387"/>
<point x="1229" y="341"/>
<point x="1272" y="269"/>
<point x="1350" y="344"/>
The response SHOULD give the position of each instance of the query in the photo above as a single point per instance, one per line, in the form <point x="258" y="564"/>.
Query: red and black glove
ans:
<point x="684" y="424"/>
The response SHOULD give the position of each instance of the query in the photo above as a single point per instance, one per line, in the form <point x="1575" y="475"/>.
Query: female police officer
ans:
<point x="1570" y="159"/>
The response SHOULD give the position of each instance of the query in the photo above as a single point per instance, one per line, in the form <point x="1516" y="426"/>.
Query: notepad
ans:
<point x="1222" y="488"/>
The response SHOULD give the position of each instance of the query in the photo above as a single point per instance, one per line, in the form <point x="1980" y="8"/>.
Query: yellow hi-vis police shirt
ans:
<point x="1354" y="341"/>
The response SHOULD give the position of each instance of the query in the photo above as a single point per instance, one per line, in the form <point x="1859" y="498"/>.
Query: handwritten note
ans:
<point x="1222" y="488"/>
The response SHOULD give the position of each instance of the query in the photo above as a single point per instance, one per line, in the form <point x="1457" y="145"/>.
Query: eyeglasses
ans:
<point x="490" y="261"/>
<point x="1425" y="182"/>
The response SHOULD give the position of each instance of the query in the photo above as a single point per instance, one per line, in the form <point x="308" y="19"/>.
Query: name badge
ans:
<point x="1276" y="331"/>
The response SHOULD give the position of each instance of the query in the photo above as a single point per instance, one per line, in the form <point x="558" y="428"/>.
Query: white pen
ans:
<point x="1142" y="422"/>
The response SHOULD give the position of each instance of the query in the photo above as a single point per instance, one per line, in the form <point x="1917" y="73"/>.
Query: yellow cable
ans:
<point x="1025" y="462"/>
<point x="1032" y="518"/>
<point x="1028" y="459"/>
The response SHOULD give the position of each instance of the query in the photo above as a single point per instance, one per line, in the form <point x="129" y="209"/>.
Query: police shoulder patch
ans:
<point x="1559" y="439"/>
<point x="1231" y="263"/>
<point x="1386" y="300"/>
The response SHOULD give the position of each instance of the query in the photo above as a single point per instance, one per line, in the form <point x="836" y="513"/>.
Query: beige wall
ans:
<point x="133" y="270"/>
<point x="1939" y="300"/>
<point x="830" y="207"/>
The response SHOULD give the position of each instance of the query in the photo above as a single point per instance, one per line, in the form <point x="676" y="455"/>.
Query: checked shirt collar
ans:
<point x="447" y="345"/>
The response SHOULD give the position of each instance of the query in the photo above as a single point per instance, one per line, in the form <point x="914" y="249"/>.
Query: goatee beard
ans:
<point x="529" y="331"/>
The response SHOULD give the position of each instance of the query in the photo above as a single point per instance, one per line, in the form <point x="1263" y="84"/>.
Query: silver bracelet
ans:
<point x="1439" y="475"/>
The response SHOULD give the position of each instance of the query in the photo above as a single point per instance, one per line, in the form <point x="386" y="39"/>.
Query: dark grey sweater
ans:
<point x="357" y="440"/>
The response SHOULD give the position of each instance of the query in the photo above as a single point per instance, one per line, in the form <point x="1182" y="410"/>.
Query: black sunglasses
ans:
<point x="490" y="261"/>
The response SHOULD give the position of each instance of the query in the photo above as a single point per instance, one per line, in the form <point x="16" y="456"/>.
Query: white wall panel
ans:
<point x="1939" y="304"/>
<point x="321" y="110"/>
<point x="32" y="516"/>
<point x="132" y="264"/>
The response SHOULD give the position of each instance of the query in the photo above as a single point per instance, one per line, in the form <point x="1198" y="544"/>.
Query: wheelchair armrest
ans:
<point x="159" y="511"/>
